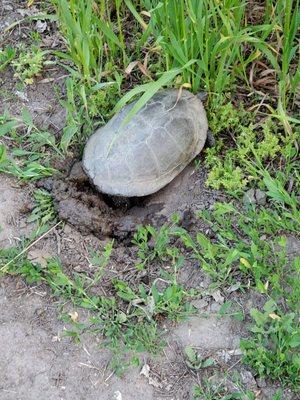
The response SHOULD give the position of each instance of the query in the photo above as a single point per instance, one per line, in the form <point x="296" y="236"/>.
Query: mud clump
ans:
<point x="79" y="204"/>
<point x="90" y="212"/>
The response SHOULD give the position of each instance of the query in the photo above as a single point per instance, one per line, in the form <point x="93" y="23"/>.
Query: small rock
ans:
<point x="260" y="197"/>
<point x="249" y="197"/>
<point x="218" y="297"/>
<point x="248" y="380"/>
<point x="152" y="381"/>
<point x="67" y="229"/>
<point x="261" y="383"/>
<point x="39" y="256"/>
<point x="200" y="303"/>
<point x="41" y="26"/>
<point x="224" y="355"/>
<point x="215" y="307"/>
<point x="118" y="395"/>
<point x="255" y="196"/>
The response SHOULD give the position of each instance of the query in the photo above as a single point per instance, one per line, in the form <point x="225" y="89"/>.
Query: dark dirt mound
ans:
<point x="79" y="204"/>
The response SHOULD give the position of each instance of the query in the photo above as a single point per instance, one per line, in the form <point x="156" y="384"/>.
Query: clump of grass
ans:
<point x="87" y="107"/>
<point x="208" y="32"/>
<point x="29" y="64"/>
<point x="282" y="53"/>
<point x="30" y="153"/>
<point x="90" y="36"/>
<point x="6" y="56"/>
<point x="273" y="349"/>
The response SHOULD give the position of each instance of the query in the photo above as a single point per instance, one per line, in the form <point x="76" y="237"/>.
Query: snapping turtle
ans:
<point x="144" y="155"/>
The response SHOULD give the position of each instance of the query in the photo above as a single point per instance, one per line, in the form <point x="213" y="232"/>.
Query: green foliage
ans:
<point x="286" y="18"/>
<point x="208" y="32"/>
<point x="195" y="361"/>
<point x="233" y="168"/>
<point x="44" y="210"/>
<point x="83" y="104"/>
<point x="6" y="56"/>
<point x="160" y="240"/>
<point x="273" y="350"/>
<point x="29" y="157"/>
<point x="210" y="391"/>
<point x="113" y="317"/>
<point x="29" y="64"/>
<point x="93" y="45"/>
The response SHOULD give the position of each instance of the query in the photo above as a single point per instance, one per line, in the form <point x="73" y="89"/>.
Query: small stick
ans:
<point x="4" y="268"/>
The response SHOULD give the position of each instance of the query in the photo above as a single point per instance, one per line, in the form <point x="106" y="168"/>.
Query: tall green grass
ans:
<point x="282" y="51"/>
<point x="90" y="35"/>
<point x="208" y="31"/>
<point x="204" y="45"/>
<point x="213" y="44"/>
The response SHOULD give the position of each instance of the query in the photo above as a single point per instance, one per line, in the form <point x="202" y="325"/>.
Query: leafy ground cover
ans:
<point x="245" y="55"/>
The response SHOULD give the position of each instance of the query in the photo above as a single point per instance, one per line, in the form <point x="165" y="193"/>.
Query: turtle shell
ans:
<point x="144" y="155"/>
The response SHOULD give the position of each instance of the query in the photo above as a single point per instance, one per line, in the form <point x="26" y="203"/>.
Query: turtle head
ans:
<point x="202" y="96"/>
<point x="210" y="140"/>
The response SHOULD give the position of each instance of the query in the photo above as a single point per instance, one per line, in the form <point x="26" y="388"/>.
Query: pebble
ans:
<point x="261" y="197"/>
<point x="248" y="380"/>
<point x="255" y="196"/>
<point x="249" y="197"/>
<point x="261" y="383"/>
<point x="8" y="7"/>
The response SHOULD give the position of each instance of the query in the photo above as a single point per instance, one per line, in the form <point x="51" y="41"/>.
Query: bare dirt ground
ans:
<point x="36" y="360"/>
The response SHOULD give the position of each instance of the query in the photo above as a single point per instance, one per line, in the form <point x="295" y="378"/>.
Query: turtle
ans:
<point x="139" y="157"/>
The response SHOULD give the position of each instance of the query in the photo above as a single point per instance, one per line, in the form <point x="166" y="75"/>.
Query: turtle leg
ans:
<point x="210" y="140"/>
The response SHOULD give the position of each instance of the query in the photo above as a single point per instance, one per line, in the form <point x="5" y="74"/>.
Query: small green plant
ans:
<point x="30" y="156"/>
<point x="86" y="107"/>
<point x="195" y="361"/>
<point x="29" y="64"/>
<point x="218" y="391"/>
<point x="274" y="348"/>
<point x="44" y="210"/>
<point x="146" y="252"/>
<point x="236" y="167"/>
<point x="6" y="56"/>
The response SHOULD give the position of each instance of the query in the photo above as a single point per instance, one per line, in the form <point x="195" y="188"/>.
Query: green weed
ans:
<point x="30" y="154"/>
<point x="209" y="33"/>
<point x="286" y="19"/>
<point x="252" y="146"/>
<point x="44" y="210"/>
<point x="273" y="349"/>
<point x="87" y="107"/>
<point x="114" y="317"/>
<point x="29" y="64"/>
<point x="213" y="391"/>
<point x="6" y="56"/>
<point x="195" y="361"/>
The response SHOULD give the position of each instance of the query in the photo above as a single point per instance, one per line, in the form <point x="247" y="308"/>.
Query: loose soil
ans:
<point x="36" y="359"/>
<point x="79" y="203"/>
